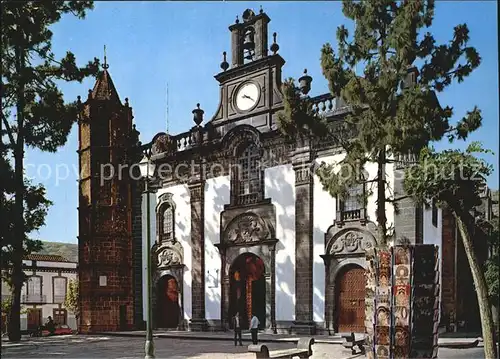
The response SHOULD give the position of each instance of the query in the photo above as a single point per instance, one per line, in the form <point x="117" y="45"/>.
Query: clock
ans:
<point x="247" y="96"/>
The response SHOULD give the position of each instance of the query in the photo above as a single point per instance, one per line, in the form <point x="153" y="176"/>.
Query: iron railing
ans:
<point x="34" y="298"/>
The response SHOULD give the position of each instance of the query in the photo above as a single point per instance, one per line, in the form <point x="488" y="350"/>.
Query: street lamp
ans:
<point x="147" y="168"/>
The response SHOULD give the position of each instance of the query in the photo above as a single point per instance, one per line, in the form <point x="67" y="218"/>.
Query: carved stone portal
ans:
<point x="344" y="246"/>
<point x="247" y="228"/>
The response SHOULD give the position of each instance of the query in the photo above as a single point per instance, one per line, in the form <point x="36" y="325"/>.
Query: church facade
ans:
<point x="239" y="221"/>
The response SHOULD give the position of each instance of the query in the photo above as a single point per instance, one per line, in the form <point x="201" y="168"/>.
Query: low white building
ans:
<point x="44" y="292"/>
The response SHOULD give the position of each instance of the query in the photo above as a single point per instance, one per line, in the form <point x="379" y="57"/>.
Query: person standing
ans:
<point x="237" y="328"/>
<point x="254" y="327"/>
<point x="50" y="326"/>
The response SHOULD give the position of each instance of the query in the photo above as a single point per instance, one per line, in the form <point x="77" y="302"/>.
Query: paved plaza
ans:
<point x="81" y="346"/>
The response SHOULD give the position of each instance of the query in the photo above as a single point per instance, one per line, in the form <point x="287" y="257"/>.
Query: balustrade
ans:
<point x="351" y="215"/>
<point x="34" y="298"/>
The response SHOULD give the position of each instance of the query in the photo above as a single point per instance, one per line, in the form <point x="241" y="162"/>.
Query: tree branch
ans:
<point x="397" y="199"/>
<point x="9" y="130"/>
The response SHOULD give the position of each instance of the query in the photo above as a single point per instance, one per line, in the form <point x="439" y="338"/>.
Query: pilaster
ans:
<point x="304" y="181"/>
<point x="197" y="197"/>
<point x="408" y="222"/>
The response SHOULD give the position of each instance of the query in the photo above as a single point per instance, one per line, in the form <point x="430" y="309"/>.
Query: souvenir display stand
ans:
<point x="402" y="302"/>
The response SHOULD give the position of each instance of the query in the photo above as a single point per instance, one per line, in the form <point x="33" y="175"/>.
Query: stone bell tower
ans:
<point x="249" y="38"/>
<point x="106" y="140"/>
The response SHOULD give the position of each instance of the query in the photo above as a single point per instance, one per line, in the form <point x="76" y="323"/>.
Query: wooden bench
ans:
<point x="350" y="342"/>
<point x="303" y="350"/>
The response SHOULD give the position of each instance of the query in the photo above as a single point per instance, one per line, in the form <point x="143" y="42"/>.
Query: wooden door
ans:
<point x="350" y="304"/>
<point x="34" y="318"/>
<point x="60" y="316"/>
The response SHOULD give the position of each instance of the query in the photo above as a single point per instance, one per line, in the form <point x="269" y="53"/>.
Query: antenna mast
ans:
<point x="167" y="108"/>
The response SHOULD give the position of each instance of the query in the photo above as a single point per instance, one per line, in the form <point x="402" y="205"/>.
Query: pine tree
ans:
<point x="457" y="179"/>
<point x="34" y="113"/>
<point x="389" y="113"/>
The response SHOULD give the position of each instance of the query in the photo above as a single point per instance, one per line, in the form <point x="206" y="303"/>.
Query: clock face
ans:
<point x="247" y="96"/>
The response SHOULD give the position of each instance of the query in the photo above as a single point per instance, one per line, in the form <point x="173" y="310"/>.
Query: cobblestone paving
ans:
<point x="132" y="348"/>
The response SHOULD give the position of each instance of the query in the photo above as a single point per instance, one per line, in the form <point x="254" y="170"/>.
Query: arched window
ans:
<point x="165" y="218"/>
<point x="167" y="232"/>
<point x="168" y="222"/>
<point x="247" y="176"/>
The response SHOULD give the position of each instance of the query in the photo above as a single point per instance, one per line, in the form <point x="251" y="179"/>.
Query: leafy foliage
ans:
<point x="453" y="177"/>
<point x="457" y="179"/>
<point x="390" y="113"/>
<point x="71" y="300"/>
<point x="26" y="38"/>
<point x="36" y="206"/>
<point x="492" y="265"/>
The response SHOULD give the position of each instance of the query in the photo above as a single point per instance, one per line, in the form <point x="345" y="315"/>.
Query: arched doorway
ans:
<point x="167" y="303"/>
<point x="350" y="292"/>
<point x="248" y="289"/>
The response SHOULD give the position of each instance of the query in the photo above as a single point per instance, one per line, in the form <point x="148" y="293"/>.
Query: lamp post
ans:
<point x="147" y="167"/>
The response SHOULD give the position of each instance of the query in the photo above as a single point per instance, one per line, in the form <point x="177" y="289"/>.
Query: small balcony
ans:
<point x="356" y="215"/>
<point x="34" y="298"/>
<point x="59" y="299"/>
<point x="351" y="215"/>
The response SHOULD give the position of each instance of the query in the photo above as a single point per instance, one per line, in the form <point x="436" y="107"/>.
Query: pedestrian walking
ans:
<point x="254" y="327"/>
<point x="237" y="328"/>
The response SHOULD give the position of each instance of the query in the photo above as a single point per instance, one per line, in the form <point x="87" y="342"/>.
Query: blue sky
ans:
<point x="152" y="43"/>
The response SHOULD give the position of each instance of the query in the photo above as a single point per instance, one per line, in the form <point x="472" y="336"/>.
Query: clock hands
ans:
<point x="248" y="97"/>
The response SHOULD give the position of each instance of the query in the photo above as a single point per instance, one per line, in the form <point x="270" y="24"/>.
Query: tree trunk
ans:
<point x="490" y="350"/>
<point x="17" y="244"/>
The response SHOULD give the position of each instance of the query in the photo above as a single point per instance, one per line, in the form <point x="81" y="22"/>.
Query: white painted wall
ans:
<point x="280" y="187"/>
<point x="433" y="235"/>
<point x="323" y="217"/>
<point x="371" y="169"/>
<point x="181" y="198"/>
<point x="217" y="194"/>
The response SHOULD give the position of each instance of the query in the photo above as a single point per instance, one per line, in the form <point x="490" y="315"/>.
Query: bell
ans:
<point x="248" y="43"/>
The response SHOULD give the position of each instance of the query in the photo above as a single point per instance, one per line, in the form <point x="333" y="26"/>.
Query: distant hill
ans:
<point x="66" y="250"/>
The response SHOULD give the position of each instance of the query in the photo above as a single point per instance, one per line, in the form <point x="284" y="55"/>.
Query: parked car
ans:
<point x="61" y="329"/>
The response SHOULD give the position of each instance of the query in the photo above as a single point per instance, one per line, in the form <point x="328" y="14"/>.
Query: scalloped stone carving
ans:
<point x="169" y="254"/>
<point x="352" y="242"/>
<point x="247" y="228"/>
